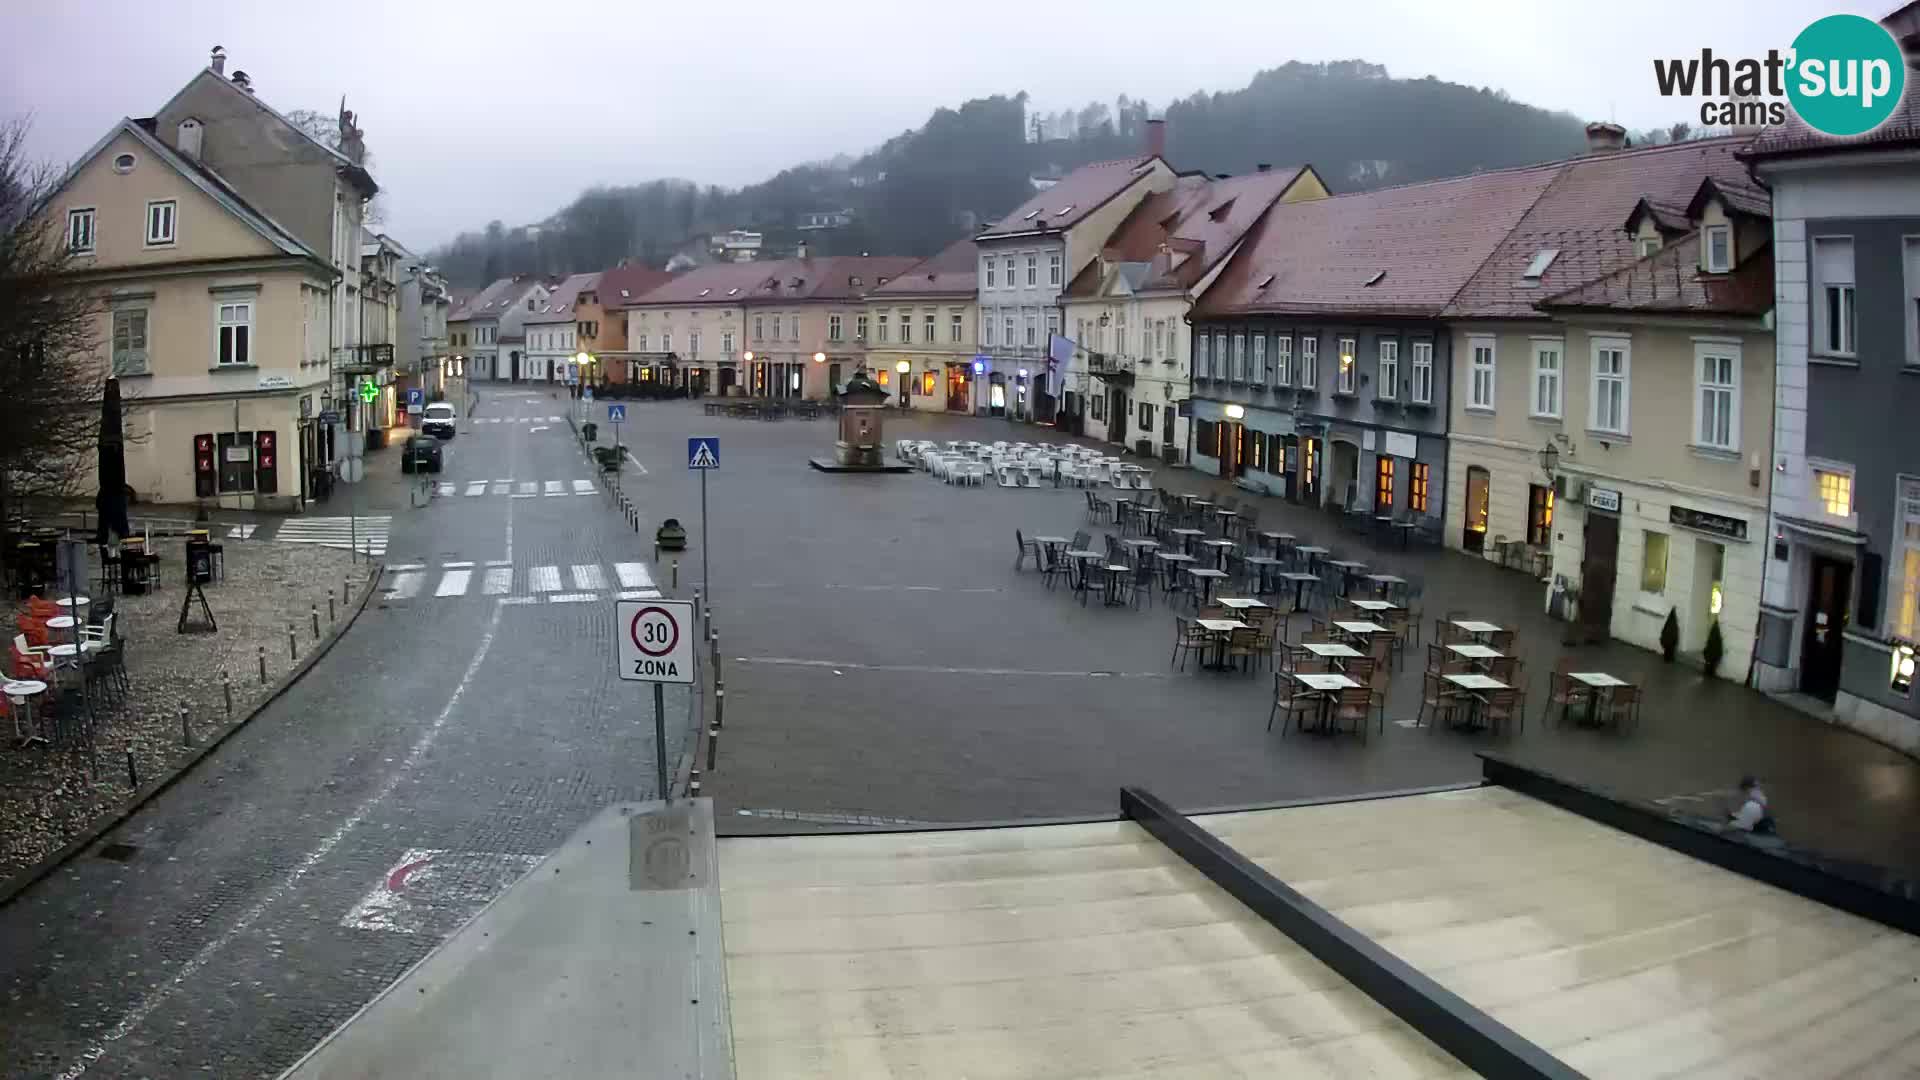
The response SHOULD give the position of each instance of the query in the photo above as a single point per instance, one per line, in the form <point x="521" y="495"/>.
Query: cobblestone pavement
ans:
<point x="51" y="793"/>
<point x="425" y="761"/>
<point x="883" y="659"/>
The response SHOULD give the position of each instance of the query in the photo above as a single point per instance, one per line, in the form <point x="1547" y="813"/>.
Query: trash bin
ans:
<point x="199" y="558"/>
<point x="670" y="536"/>
<point x="590" y="431"/>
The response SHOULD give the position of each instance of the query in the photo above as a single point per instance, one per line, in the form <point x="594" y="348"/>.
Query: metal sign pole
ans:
<point x="706" y="541"/>
<point x="660" y="741"/>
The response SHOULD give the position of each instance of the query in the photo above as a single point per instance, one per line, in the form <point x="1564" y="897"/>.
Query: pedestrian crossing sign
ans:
<point x="703" y="452"/>
<point x="616" y="413"/>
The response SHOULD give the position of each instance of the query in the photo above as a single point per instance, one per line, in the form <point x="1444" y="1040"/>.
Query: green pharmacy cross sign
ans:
<point x="368" y="392"/>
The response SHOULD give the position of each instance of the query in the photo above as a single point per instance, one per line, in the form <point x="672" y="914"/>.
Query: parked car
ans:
<point x="438" y="420"/>
<point x="421" y="454"/>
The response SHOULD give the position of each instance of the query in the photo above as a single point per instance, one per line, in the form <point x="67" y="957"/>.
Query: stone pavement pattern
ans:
<point x="49" y="794"/>
<point x="435" y="752"/>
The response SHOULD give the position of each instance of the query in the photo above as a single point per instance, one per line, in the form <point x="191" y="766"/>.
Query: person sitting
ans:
<point x="1754" y="815"/>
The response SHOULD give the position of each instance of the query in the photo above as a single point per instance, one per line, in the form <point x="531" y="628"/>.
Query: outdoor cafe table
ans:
<point x="1053" y="546"/>
<point x="1140" y="543"/>
<point x="1172" y="562"/>
<point x="1476" y="627"/>
<point x="1375" y="606"/>
<point x="1333" y="651"/>
<point x="1479" y="654"/>
<point x="1263" y="565"/>
<point x="67" y="650"/>
<point x="1220" y="549"/>
<point x="72" y="601"/>
<point x="1405" y="529"/>
<point x="1595" y="680"/>
<point x="1240" y="603"/>
<point x="1225" y="515"/>
<point x="60" y="622"/>
<point x="1186" y="538"/>
<point x="1115" y="573"/>
<point x="1359" y="629"/>
<point x="1083" y="557"/>
<point x="1349" y="569"/>
<point x="1300" y="580"/>
<point x="1384" y="583"/>
<point x="1220" y="630"/>
<point x="1473" y="685"/>
<point x="1324" y="684"/>
<point x="1206" y="577"/>
<point x="1272" y="541"/>
<point x="20" y="694"/>
<point x="1313" y="554"/>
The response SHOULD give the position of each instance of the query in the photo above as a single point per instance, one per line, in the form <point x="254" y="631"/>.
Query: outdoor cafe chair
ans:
<point x="1500" y="641"/>
<point x="1244" y="645"/>
<point x="1623" y="707"/>
<point x="1291" y="702"/>
<point x="1499" y="707"/>
<point x="1029" y="549"/>
<point x="1139" y="583"/>
<point x="1436" y="696"/>
<point x="1188" y="637"/>
<point x="1354" y="703"/>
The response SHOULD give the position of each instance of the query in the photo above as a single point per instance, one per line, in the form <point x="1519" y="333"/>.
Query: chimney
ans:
<point x="219" y="64"/>
<point x="1265" y="166"/>
<point x="800" y="251"/>
<point x="1605" y="138"/>
<point x="1157" y="138"/>
<point x="241" y="80"/>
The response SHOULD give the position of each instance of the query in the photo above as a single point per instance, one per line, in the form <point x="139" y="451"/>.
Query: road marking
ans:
<point x="241" y="532"/>
<point x="366" y="534"/>
<point x="640" y="594"/>
<point x="405" y="585"/>
<point x="499" y="562"/>
<point x="444" y="489"/>
<point x="553" y="419"/>
<point x="454" y="583"/>
<point x="541" y="427"/>
<point x="503" y="480"/>
<point x="572" y="598"/>
<point x="926" y="669"/>
<point x="546" y="579"/>
<point x="583" y="487"/>
<point x="287" y="884"/>
<point x="527" y="496"/>
<point x="519" y="600"/>
<point x="502" y="487"/>
<point x="633" y="575"/>
<point x="588" y="576"/>
<point x="397" y="567"/>
<point x="476" y="487"/>
<point x="434" y="891"/>
<point x="554" y="488"/>
<point x="499" y="579"/>
<point x="636" y="463"/>
<point x="528" y="487"/>
<point x="456" y="566"/>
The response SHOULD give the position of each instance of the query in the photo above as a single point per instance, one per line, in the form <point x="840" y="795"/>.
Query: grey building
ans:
<point x="1320" y="362"/>
<point x="1841" y="602"/>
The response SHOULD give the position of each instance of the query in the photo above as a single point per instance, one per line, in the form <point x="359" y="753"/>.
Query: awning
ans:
<point x="1821" y="532"/>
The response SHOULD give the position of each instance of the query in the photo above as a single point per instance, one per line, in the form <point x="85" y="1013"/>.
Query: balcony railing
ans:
<point x="365" y="359"/>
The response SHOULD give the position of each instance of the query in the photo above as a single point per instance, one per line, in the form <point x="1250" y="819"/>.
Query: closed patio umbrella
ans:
<point x="112" y="498"/>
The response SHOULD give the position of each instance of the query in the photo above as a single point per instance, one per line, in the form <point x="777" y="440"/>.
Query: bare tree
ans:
<point x="52" y="375"/>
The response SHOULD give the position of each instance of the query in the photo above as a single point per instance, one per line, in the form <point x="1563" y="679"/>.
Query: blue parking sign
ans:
<point x="616" y="414"/>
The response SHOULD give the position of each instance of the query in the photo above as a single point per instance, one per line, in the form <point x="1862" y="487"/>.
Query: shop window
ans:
<point x="927" y="383"/>
<point x="1417" y="488"/>
<point x="1097" y="407"/>
<point x="1257" y="458"/>
<point x="1206" y="437"/>
<point x="1539" y="515"/>
<point x="1383" y="485"/>
<point x="1653" y="564"/>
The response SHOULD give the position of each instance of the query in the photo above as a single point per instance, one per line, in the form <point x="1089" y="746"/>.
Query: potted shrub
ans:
<point x="1713" y="650"/>
<point x="1670" y="636"/>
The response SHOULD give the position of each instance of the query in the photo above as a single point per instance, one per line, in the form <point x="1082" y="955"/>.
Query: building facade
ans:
<point x="1026" y="260"/>
<point x="553" y="334"/>
<point x="803" y="318"/>
<point x="493" y="323"/>
<point x="1127" y="376"/>
<point x="1320" y="359"/>
<point x="1841" y="608"/>
<point x="688" y="330"/>
<point x="933" y="302"/>
<point x="214" y="318"/>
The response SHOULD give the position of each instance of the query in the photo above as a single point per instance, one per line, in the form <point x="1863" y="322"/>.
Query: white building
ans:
<point x="552" y="332"/>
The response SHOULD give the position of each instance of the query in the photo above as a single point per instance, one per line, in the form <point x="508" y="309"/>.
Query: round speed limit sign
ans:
<point x="655" y="640"/>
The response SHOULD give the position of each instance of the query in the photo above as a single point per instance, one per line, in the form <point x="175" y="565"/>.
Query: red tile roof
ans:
<point x="955" y="271"/>
<point x="719" y="283"/>
<point x="1199" y="218"/>
<point x="494" y="300"/>
<point x="836" y="277"/>
<point x="1418" y="244"/>
<point x="1580" y="216"/>
<point x="1078" y="194"/>
<point x="625" y="284"/>
<point x="560" y="302"/>
<point x="1670" y="282"/>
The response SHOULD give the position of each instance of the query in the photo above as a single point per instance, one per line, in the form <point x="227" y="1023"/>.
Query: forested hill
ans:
<point x="921" y="189"/>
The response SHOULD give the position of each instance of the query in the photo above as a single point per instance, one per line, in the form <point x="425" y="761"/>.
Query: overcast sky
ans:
<point x="478" y="110"/>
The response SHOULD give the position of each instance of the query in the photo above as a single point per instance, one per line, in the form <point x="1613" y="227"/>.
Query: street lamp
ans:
<point x="1235" y="412"/>
<point x="1549" y="458"/>
<point x="819" y="358"/>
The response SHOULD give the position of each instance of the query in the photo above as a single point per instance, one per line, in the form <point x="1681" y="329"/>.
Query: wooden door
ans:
<point x="1602" y="551"/>
<point x="1828" y="589"/>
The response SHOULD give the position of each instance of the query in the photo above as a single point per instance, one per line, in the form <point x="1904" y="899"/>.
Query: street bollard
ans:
<point x="718" y="681"/>
<point x="293" y="645"/>
<point x="719" y="705"/>
<point x="693" y="788"/>
<point x="697" y="613"/>
<point x="226" y="691"/>
<point x="314" y="610"/>
<point x="676" y="573"/>
<point x="133" y="771"/>
<point x="332" y="616"/>
<point x="186" y="728"/>
<point x="713" y="746"/>
<point x="263" y="665"/>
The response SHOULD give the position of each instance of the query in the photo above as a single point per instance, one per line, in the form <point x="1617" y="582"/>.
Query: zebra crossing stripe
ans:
<point x="367" y="534"/>
<point x="583" y="487"/>
<point x="640" y="594"/>
<point x="545" y="579"/>
<point x="587" y="576"/>
<point x="498" y="581"/>
<point x="405" y="585"/>
<point x="633" y="575"/>
<point x="553" y="419"/>
<point x="476" y="487"/>
<point x="501" y="487"/>
<point x="443" y="489"/>
<point x="453" y="583"/>
<point x="529" y="487"/>
<point x="554" y="488"/>
<point x="572" y="598"/>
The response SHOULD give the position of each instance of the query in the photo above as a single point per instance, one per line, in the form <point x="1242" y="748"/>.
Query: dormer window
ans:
<point x="1719" y="249"/>
<point x="1537" y="269"/>
<point x="1646" y="245"/>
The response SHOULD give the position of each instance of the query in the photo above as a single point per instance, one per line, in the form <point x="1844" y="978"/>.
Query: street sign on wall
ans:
<point x="655" y="640"/>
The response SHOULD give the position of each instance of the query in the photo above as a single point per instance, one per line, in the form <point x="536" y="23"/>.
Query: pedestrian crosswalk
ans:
<point x="569" y="584"/>
<point x="519" y="489"/>
<point x="515" y="420"/>
<point x="367" y="535"/>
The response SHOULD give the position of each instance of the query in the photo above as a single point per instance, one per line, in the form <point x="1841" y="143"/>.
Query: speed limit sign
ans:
<point x="655" y="640"/>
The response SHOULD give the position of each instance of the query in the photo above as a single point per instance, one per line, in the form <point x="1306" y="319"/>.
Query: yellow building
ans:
<point x="928" y="319"/>
<point x="213" y="316"/>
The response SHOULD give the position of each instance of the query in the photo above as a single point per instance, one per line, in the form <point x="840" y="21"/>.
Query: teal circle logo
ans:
<point x="1848" y="75"/>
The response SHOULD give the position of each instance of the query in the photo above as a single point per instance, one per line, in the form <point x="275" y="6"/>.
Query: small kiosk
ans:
<point x="859" y="447"/>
